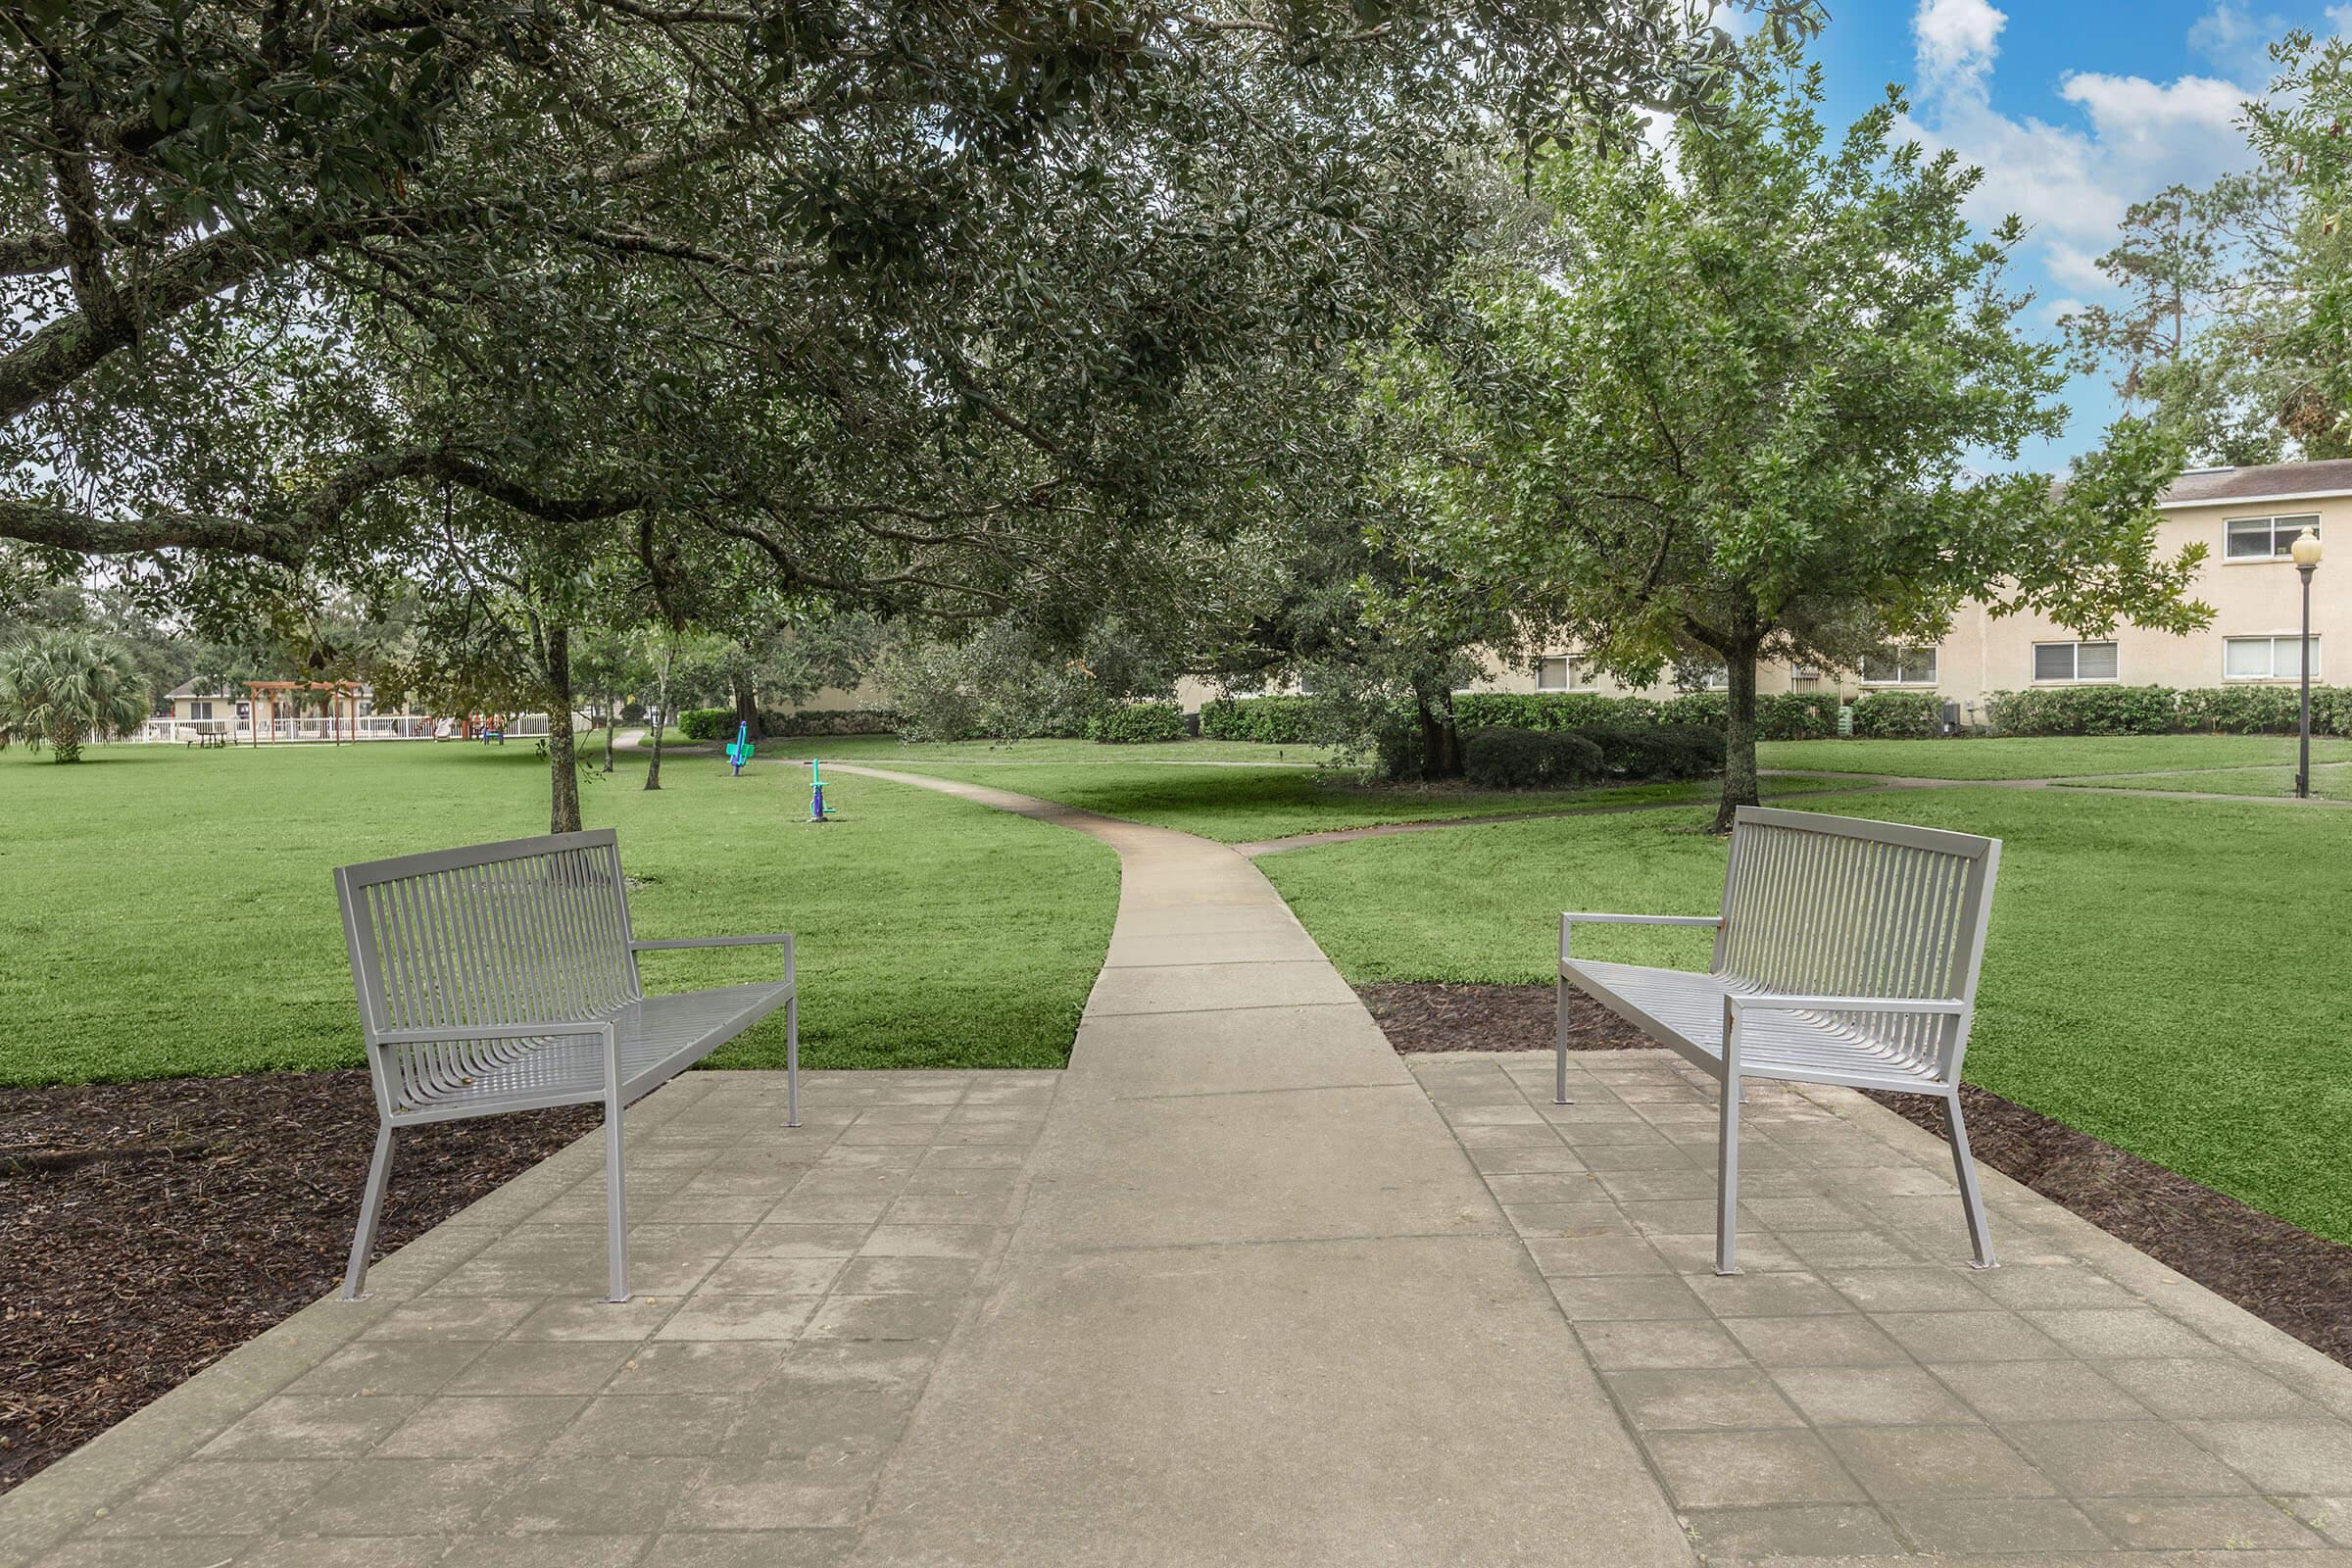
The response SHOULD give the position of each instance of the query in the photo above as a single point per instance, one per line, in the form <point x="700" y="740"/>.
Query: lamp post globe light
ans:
<point x="2306" y="553"/>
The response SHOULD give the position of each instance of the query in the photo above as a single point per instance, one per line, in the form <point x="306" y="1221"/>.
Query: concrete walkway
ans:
<point x="1260" y="1308"/>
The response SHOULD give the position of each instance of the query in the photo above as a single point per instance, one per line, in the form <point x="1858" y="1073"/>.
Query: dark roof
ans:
<point x="2268" y="481"/>
<point x="190" y="689"/>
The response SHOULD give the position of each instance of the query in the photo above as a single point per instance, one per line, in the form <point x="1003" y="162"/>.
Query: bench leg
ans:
<point x="792" y="1062"/>
<point x="1727" y="1180"/>
<point x="617" y="1217"/>
<point x="1979" y="1237"/>
<point x="1560" y="1043"/>
<point x="371" y="1209"/>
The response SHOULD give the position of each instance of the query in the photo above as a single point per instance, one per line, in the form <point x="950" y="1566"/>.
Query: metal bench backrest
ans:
<point x="519" y="932"/>
<point x="1816" y="905"/>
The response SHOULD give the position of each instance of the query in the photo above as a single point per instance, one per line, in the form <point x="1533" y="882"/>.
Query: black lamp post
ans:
<point x="2306" y="551"/>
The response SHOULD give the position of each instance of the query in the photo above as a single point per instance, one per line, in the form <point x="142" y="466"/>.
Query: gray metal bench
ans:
<point x="503" y="977"/>
<point x="1847" y="952"/>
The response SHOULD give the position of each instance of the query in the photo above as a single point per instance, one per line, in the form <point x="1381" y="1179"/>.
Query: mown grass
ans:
<point x="1227" y="791"/>
<point x="2045" y="756"/>
<point x="169" y="913"/>
<point x="2164" y="975"/>
<point x="2329" y="782"/>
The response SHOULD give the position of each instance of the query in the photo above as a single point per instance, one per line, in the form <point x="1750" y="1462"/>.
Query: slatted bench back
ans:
<point x="518" y="932"/>
<point x="1840" y="906"/>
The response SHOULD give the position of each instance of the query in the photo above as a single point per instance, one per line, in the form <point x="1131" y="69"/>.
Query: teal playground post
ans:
<point x="739" y="753"/>
<point x="816" y="791"/>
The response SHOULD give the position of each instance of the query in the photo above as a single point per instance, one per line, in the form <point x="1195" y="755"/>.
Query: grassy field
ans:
<point x="2162" y="974"/>
<point x="171" y="913"/>
<point x="1230" y="791"/>
<point x="2052" y="756"/>
<point x="2329" y="782"/>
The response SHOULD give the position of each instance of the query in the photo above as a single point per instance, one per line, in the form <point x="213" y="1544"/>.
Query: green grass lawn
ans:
<point x="2050" y="757"/>
<point x="2332" y="783"/>
<point x="169" y="912"/>
<point x="2162" y="975"/>
<point x="1226" y="790"/>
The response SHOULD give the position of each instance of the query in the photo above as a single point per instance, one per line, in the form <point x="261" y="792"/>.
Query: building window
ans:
<point x="2076" y="661"/>
<point x="1900" y="666"/>
<point x="1561" y="672"/>
<point x="2267" y="658"/>
<point x="2267" y="538"/>
<point x="1702" y="678"/>
<point x="200" y="710"/>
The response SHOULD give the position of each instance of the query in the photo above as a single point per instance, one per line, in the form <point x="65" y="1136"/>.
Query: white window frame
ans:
<point x="1572" y="667"/>
<point x="2314" y="653"/>
<point x="2035" y="677"/>
<point x="1897" y="654"/>
<point x="2283" y="526"/>
<point x="1718" y="678"/>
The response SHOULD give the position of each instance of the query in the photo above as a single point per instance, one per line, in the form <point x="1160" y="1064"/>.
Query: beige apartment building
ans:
<point x="2245" y="517"/>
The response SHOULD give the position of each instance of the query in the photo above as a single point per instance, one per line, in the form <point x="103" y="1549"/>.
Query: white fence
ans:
<point x="320" y="728"/>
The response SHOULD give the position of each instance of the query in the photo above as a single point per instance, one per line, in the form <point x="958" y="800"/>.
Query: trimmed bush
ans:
<point x="832" y="721"/>
<point x="1274" y="721"/>
<point x="1796" y="716"/>
<point x="1658" y="751"/>
<point x="1136" y="724"/>
<point x="2092" y="711"/>
<point x="1551" y="711"/>
<point x="708" y="723"/>
<point x="632" y="712"/>
<point x="1696" y="707"/>
<point x="1528" y="759"/>
<point x="1898" y="715"/>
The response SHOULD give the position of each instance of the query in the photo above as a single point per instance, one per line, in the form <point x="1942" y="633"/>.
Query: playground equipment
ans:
<point x="817" y="792"/>
<point x="739" y="752"/>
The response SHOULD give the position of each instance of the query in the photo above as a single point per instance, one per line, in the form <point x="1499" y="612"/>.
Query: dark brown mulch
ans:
<point x="2288" y="1277"/>
<point x="1436" y="1016"/>
<point x="146" y="1230"/>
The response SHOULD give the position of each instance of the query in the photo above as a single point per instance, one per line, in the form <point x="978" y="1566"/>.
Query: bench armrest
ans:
<point x="1740" y="1003"/>
<point x="1570" y="921"/>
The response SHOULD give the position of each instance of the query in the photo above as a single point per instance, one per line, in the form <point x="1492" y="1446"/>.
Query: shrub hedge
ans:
<point x="1136" y="724"/>
<point x="1530" y="759"/>
<point x="1275" y="721"/>
<point x="1898" y="715"/>
<point x="719" y="723"/>
<point x="706" y="724"/>
<point x="2166" y="711"/>
<point x="1658" y="751"/>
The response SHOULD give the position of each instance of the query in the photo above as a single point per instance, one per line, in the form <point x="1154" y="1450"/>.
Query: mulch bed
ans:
<point x="2288" y="1277"/>
<point x="148" y="1229"/>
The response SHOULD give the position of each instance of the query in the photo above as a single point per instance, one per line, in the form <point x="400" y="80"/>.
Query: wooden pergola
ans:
<point x="343" y="702"/>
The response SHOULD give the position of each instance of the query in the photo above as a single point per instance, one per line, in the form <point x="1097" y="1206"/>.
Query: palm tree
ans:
<point x="60" y="687"/>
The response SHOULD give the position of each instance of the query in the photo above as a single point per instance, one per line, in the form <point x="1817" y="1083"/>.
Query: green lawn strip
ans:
<point x="887" y="750"/>
<point x="171" y="912"/>
<point x="1243" y="804"/>
<point x="2159" y="974"/>
<point x="2045" y="756"/>
<point x="2332" y="783"/>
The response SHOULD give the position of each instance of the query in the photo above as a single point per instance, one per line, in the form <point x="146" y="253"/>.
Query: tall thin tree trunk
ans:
<point x="562" y="762"/>
<point x="747" y="710"/>
<point x="652" y="772"/>
<point x="1738" y="739"/>
<point x="612" y="726"/>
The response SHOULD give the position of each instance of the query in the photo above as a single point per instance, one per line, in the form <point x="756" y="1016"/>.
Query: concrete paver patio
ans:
<point x="1238" y="1287"/>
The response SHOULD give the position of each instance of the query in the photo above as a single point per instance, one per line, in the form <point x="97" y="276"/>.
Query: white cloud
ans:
<point x="1956" y="41"/>
<point x="2071" y="182"/>
<point x="2341" y="17"/>
<point x="2238" y="39"/>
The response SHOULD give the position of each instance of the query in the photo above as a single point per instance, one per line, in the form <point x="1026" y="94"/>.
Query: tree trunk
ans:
<point x="65" y="743"/>
<point x="1440" y="741"/>
<point x="562" y="762"/>
<point x="747" y="710"/>
<point x="653" y="771"/>
<point x="1738" y="739"/>
<point x="612" y="728"/>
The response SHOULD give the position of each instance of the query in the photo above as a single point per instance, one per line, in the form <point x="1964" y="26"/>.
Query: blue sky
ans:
<point x="2074" y="109"/>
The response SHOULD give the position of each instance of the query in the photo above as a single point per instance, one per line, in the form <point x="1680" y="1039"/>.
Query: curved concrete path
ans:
<point x="1260" y="1306"/>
